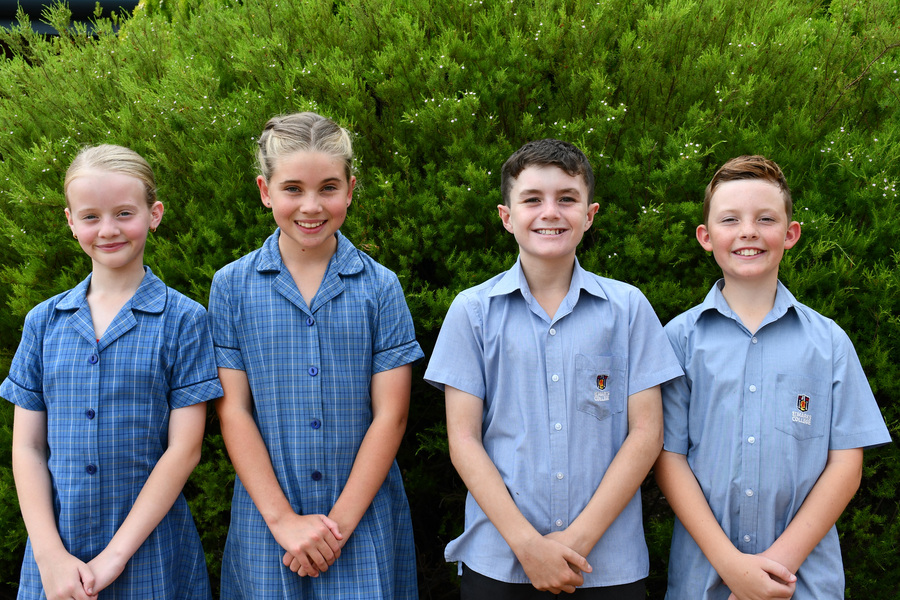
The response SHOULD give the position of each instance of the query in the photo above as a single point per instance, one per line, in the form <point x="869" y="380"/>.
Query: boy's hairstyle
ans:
<point x="546" y="153"/>
<point x="749" y="167"/>
<point x="302" y="132"/>
<point x="112" y="159"/>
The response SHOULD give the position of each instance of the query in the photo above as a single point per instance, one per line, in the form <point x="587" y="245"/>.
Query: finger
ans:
<point x="333" y="526"/>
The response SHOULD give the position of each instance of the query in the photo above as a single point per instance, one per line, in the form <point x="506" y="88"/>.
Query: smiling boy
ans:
<point x="764" y="435"/>
<point x="551" y="377"/>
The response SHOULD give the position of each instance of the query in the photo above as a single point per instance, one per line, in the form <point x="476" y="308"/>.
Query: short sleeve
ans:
<point x="193" y="377"/>
<point x="676" y="396"/>
<point x="856" y="421"/>
<point x="394" y="337"/>
<point x="222" y="324"/>
<point x="24" y="386"/>
<point x="651" y="360"/>
<point x="458" y="357"/>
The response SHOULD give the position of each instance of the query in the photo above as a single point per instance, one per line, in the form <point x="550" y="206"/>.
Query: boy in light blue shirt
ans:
<point x="551" y="376"/>
<point x="764" y="435"/>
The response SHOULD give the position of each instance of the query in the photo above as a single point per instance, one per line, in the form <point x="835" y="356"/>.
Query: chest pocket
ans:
<point x="600" y="385"/>
<point x="803" y="406"/>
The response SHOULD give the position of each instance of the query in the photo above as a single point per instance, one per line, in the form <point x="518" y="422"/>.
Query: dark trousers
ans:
<point x="475" y="586"/>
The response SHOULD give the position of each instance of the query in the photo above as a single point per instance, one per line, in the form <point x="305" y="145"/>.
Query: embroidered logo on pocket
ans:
<point x="800" y="415"/>
<point x="600" y="394"/>
<point x="601" y="381"/>
<point x="803" y="403"/>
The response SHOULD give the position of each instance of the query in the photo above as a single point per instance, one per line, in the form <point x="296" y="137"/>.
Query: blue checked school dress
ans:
<point x="108" y="405"/>
<point x="309" y="370"/>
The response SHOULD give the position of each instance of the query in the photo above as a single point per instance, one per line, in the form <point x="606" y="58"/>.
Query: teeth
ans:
<point x="310" y="225"/>
<point x="549" y="231"/>
<point x="748" y="252"/>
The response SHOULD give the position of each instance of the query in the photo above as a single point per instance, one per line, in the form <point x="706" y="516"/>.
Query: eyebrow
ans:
<point x="329" y="180"/>
<point x="566" y="191"/>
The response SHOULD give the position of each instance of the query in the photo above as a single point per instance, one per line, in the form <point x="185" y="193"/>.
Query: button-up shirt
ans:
<point x="756" y="415"/>
<point x="555" y="394"/>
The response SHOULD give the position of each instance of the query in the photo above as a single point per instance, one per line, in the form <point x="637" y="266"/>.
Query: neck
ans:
<point x="751" y="301"/>
<point x="549" y="282"/>
<point x="296" y="257"/>
<point x="118" y="282"/>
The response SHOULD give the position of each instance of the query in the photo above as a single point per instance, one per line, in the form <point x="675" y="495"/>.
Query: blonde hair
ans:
<point x="112" y="159"/>
<point x="302" y="132"/>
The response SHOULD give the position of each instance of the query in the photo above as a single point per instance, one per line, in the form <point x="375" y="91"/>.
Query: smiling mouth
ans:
<point x="310" y="225"/>
<point x="549" y="231"/>
<point x="748" y="252"/>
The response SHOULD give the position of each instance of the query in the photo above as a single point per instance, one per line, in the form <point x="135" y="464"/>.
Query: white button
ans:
<point x="558" y="426"/>
<point x="752" y="388"/>
<point x="751" y="439"/>
<point x="753" y="340"/>
<point x="559" y="475"/>
<point x="552" y="332"/>
<point x="555" y="378"/>
<point x="749" y="493"/>
<point x="746" y="538"/>
<point x="559" y="522"/>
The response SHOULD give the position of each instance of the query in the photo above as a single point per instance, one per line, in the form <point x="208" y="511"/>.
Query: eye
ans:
<point x="728" y="220"/>
<point x="126" y="213"/>
<point x="330" y="188"/>
<point x="293" y="189"/>
<point x="531" y="200"/>
<point x="568" y="199"/>
<point x="767" y="219"/>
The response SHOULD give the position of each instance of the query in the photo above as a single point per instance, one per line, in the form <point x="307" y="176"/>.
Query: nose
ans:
<point x="550" y="209"/>
<point x="749" y="230"/>
<point x="108" y="228"/>
<point x="310" y="203"/>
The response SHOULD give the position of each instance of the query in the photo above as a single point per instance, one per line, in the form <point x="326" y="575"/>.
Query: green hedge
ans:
<point x="657" y="93"/>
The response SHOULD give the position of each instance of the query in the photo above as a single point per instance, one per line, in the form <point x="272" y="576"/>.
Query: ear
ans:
<point x="505" y="217"/>
<point x="156" y="213"/>
<point x="792" y="236"/>
<point x="69" y="220"/>
<point x="592" y="210"/>
<point x="703" y="237"/>
<point x="350" y="191"/>
<point x="263" y="191"/>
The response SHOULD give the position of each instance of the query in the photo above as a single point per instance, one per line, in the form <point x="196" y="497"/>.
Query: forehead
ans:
<point x="309" y="165"/>
<point x="747" y="194"/>
<point x="548" y="179"/>
<point x="103" y="187"/>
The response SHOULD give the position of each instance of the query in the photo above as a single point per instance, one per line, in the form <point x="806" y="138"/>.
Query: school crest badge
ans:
<point x="601" y="394"/>
<point x="803" y="403"/>
<point x="601" y="382"/>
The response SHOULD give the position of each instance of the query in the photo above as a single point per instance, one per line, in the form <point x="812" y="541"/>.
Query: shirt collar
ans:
<point x="784" y="300"/>
<point x="150" y="296"/>
<point x="345" y="261"/>
<point x="514" y="279"/>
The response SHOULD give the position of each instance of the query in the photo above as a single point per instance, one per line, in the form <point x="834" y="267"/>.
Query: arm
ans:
<point x="62" y="575"/>
<point x="162" y="488"/>
<point x="312" y="539"/>
<point x="820" y="510"/>
<point x="746" y="575"/>
<point x="624" y="475"/>
<point x="546" y="561"/>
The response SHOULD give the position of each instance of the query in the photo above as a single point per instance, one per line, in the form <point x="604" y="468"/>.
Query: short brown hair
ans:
<point x="546" y="153"/>
<point x="749" y="167"/>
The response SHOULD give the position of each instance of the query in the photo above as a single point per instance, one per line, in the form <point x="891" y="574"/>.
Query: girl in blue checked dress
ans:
<point x="314" y="343"/>
<point x="110" y="383"/>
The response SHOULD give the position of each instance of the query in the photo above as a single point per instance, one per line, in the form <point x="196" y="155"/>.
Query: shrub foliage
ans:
<point x="657" y="93"/>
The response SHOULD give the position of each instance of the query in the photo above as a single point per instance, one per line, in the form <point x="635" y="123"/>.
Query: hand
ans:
<point x="552" y="566"/>
<point x="756" y="577"/>
<point x="311" y="543"/>
<point x="64" y="577"/>
<point x="106" y="568"/>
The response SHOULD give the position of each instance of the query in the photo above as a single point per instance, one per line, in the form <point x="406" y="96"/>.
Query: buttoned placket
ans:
<point x="752" y="404"/>
<point x="557" y="425"/>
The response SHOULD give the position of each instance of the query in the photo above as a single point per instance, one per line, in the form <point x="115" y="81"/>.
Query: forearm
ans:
<point x="820" y="510"/>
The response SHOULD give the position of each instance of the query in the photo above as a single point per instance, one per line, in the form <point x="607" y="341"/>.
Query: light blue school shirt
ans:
<point x="310" y="370"/>
<point x="555" y="407"/>
<point x="108" y="405"/>
<point x="756" y="415"/>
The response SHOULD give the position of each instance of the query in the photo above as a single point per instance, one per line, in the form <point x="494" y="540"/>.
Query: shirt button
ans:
<point x="749" y="493"/>
<point x="559" y="522"/>
<point x="751" y="439"/>
<point x="552" y="331"/>
<point x="752" y="388"/>
<point x="559" y="475"/>
<point x="316" y="476"/>
<point x="555" y="378"/>
<point x="558" y="426"/>
<point x="89" y="413"/>
<point x="315" y="423"/>
<point x="746" y="538"/>
<point x="90" y="469"/>
<point x="313" y="371"/>
<point x="310" y="321"/>
<point x="753" y="340"/>
<point x="93" y="358"/>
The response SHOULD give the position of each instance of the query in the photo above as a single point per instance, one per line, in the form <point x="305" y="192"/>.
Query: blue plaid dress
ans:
<point x="108" y="405"/>
<point x="309" y="370"/>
